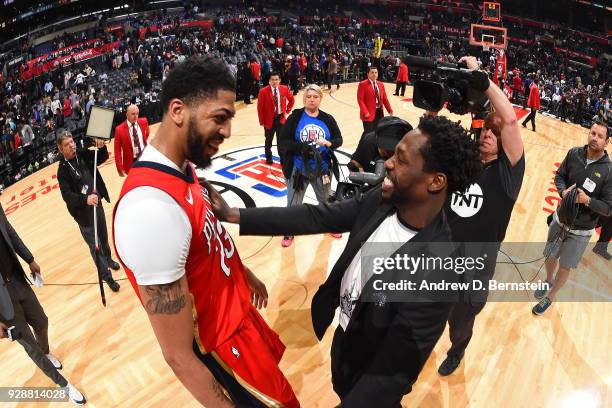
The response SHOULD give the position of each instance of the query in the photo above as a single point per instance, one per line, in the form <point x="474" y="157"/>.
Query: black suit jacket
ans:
<point x="16" y="247"/>
<point x="70" y="185"/>
<point x="379" y="357"/>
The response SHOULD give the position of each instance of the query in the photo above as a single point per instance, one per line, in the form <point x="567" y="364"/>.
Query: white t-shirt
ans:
<point x="152" y="231"/>
<point x="390" y="230"/>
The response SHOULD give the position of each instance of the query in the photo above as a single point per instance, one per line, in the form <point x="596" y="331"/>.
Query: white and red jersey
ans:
<point x="214" y="270"/>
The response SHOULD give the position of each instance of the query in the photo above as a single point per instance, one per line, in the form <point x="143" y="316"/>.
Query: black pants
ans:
<point x="531" y="118"/>
<point x="371" y="126"/>
<point x="29" y="313"/>
<point x="461" y="323"/>
<point x="332" y="78"/>
<point x="269" y="133"/>
<point x="606" y="230"/>
<point x="87" y="231"/>
<point x="400" y="88"/>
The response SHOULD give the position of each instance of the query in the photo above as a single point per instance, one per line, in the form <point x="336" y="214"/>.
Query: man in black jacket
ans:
<point x="75" y="177"/>
<point x="588" y="169"/>
<point x="381" y="345"/>
<point x="20" y="308"/>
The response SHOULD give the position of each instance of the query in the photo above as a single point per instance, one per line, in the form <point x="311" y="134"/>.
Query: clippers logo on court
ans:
<point x="469" y="203"/>
<point x="311" y="133"/>
<point x="245" y="180"/>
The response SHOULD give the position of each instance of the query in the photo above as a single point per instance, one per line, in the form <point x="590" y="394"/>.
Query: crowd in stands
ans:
<point x="318" y="45"/>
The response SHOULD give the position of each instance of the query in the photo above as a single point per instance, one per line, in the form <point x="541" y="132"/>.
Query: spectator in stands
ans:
<point x="67" y="108"/>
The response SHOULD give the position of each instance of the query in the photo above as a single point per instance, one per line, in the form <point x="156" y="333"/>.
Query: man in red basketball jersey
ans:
<point x="182" y="263"/>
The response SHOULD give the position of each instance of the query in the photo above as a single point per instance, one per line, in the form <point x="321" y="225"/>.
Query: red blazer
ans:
<point x="402" y="73"/>
<point x="534" y="97"/>
<point x="265" y="105"/>
<point x="124" y="154"/>
<point x="366" y="98"/>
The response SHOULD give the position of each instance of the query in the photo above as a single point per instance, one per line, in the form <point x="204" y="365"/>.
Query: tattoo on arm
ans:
<point x="165" y="299"/>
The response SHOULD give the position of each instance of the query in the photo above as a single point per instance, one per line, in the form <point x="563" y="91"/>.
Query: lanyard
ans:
<point x="72" y="167"/>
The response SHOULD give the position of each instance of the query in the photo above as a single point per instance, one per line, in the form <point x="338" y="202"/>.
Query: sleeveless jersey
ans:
<point x="214" y="270"/>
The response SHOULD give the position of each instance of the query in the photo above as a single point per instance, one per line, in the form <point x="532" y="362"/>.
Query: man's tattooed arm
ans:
<point x="165" y="299"/>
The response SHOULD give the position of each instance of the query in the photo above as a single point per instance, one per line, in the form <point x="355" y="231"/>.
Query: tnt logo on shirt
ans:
<point x="469" y="203"/>
<point x="311" y="133"/>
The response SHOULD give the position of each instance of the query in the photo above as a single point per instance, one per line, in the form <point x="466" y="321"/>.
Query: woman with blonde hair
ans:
<point x="306" y="146"/>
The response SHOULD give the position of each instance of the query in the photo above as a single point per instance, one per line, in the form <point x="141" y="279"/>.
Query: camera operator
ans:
<point x="308" y="141"/>
<point x="379" y="347"/>
<point x="379" y="144"/>
<point x="495" y="192"/>
<point x="75" y="178"/>
<point x="588" y="170"/>
<point x="20" y="308"/>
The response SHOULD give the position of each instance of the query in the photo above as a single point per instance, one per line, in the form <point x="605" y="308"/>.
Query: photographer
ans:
<point x="496" y="191"/>
<point x="378" y="144"/>
<point x="75" y="178"/>
<point x="20" y="308"/>
<point x="585" y="177"/>
<point x="308" y="141"/>
<point x="379" y="347"/>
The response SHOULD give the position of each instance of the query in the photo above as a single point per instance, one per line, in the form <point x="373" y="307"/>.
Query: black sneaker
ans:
<point x="541" y="307"/>
<point x="540" y="293"/>
<point x="601" y="249"/>
<point x="113" y="285"/>
<point x="449" y="365"/>
<point x="114" y="265"/>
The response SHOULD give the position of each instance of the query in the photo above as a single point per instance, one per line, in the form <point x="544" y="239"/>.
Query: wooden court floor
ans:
<point x="561" y="359"/>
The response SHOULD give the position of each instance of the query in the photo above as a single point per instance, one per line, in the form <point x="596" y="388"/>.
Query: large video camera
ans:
<point x="453" y="84"/>
<point x="388" y="133"/>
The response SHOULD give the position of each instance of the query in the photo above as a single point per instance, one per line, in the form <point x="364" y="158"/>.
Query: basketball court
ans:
<point x="514" y="359"/>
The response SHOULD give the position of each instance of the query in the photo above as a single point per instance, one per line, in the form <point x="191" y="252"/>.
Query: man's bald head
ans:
<point x="132" y="113"/>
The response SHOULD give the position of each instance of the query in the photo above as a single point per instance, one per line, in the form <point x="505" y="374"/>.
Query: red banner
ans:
<point x="500" y="67"/>
<point x="205" y="24"/>
<point x="591" y="60"/>
<point x="58" y="52"/>
<point x="67" y="59"/>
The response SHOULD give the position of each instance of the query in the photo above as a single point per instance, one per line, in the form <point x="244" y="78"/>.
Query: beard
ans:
<point x="195" y="147"/>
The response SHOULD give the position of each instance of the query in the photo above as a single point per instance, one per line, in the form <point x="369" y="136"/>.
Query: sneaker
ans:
<point x="601" y="249"/>
<point x="114" y="265"/>
<point x="336" y="235"/>
<point x="541" y="307"/>
<point x="75" y="395"/>
<point x="287" y="241"/>
<point x="56" y="363"/>
<point x="540" y="293"/>
<point x="113" y="285"/>
<point x="449" y="365"/>
<point x="524" y="125"/>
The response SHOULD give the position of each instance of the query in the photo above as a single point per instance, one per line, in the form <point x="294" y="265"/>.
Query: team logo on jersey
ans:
<point x="469" y="203"/>
<point x="245" y="180"/>
<point x="311" y="133"/>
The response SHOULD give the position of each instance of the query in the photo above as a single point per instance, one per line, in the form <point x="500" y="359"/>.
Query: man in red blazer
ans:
<point x="402" y="79"/>
<point x="534" y="103"/>
<point x="274" y="102"/>
<point x="130" y="140"/>
<point x="371" y="97"/>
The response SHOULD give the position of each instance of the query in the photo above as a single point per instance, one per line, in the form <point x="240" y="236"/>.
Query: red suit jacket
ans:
<point x="124" y="154"/>
<point x="534" y="97"/>
<point x="366" y="98"/>
<point x="265" y="105"/>
<point x="402" y="73"/>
